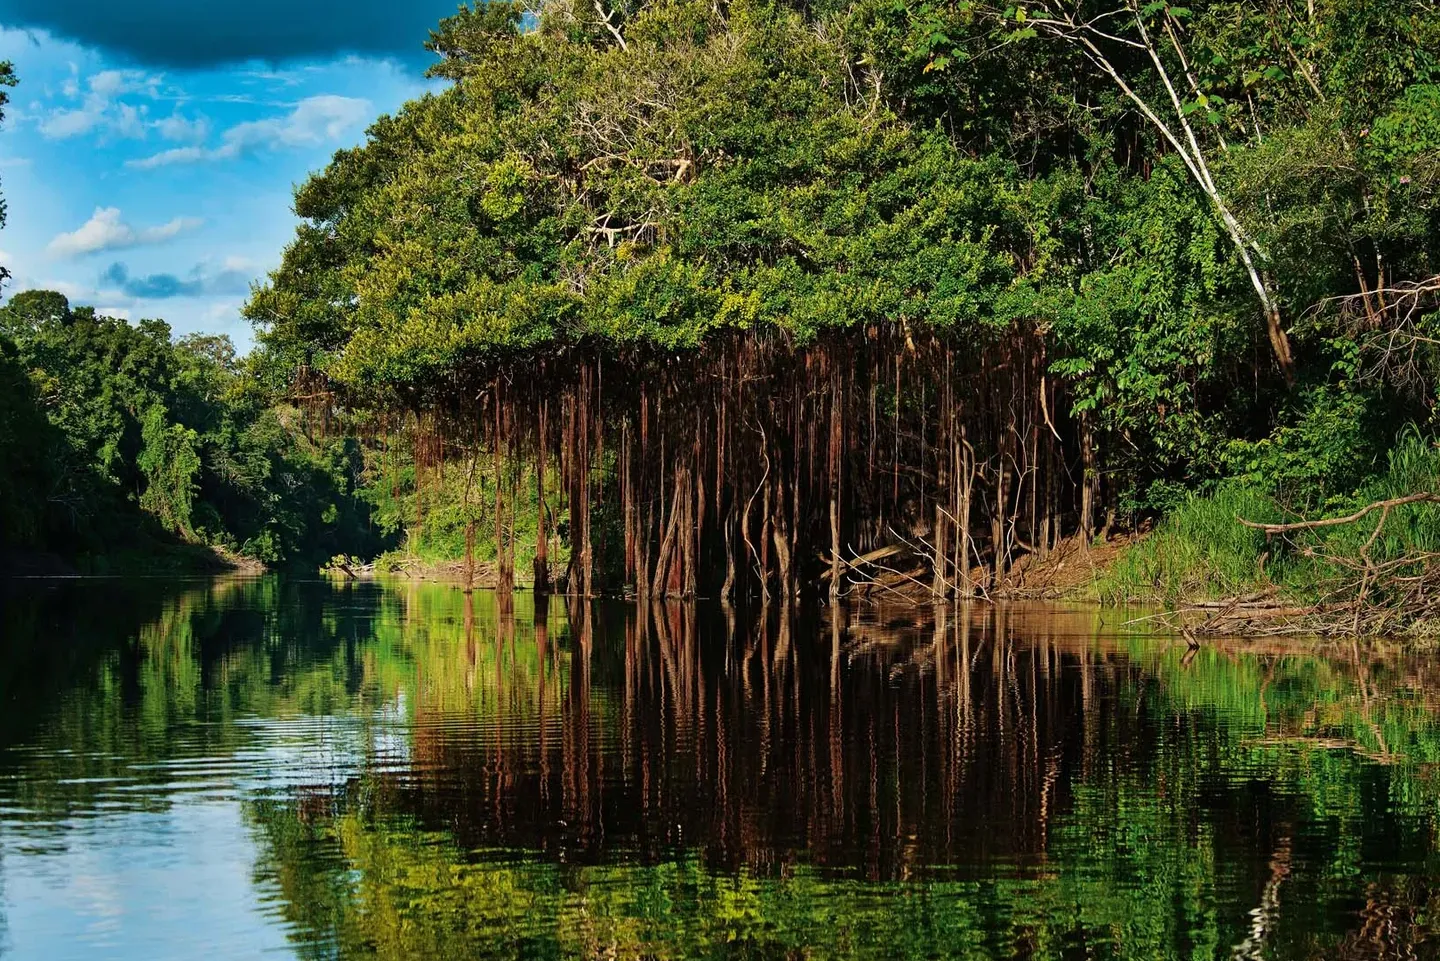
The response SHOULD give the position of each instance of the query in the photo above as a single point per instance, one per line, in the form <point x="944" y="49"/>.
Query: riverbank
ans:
<point x="1234" y="561"/>
<point x="419" y="569"/>
<point x="175" y="560"/>
<point x="1238" y="562"/>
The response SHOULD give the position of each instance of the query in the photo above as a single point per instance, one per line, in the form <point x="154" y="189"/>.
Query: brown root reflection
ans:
<point x="878" y="742"/>
<point x="1090" y="786"/>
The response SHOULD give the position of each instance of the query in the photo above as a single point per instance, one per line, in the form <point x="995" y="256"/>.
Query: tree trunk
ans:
<point x="1089" y="482"/>
<point x="664" y="561"/>
<point x="542" y="537"/>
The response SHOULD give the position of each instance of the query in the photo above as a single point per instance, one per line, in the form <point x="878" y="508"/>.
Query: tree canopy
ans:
<point x="1208" y="235"/>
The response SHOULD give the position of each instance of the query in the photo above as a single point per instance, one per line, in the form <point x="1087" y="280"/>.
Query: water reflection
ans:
<point x="355" y="770"/>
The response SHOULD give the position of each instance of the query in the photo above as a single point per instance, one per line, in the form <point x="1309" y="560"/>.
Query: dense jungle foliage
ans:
<point x="1108" y="258"/>
<point x="121" y="445"/>
<point x="765" y="286"/>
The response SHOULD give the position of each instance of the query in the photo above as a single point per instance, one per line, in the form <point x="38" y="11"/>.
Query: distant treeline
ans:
<point x="121" y="446"/>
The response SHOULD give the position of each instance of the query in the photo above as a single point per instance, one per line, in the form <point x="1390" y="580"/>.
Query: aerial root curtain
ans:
<point x="755" y="467"/>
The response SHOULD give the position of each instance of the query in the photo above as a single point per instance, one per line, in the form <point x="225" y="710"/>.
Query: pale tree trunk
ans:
<point x="1083" y="34"/>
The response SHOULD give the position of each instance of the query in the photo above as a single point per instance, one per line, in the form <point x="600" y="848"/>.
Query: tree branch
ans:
<point x="1424" y="497"/>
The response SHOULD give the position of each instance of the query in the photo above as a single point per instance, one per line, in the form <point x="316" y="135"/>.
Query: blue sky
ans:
<point x="148" y="156"/>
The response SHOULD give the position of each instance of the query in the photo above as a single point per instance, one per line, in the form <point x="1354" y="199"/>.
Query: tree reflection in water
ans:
<point x="526" y="778"/>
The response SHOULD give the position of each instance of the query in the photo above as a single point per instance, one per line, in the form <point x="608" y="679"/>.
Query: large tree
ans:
<point x="821" y="212"/>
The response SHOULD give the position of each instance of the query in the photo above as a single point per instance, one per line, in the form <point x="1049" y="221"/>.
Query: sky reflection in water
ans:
<point x="235" y="768"/>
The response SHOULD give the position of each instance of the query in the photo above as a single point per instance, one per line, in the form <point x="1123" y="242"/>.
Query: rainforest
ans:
<point x="765" y="300"/>
<point x="720" y="479"/>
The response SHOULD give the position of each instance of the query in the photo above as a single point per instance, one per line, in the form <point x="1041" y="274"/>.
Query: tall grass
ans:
<point x="1202" y="551"/>
<point x="1199" y="550"/>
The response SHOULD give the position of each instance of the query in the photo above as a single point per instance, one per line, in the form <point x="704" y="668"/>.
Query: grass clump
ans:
<point x="1198" y="550"/>
<point x="1201" y="551"/>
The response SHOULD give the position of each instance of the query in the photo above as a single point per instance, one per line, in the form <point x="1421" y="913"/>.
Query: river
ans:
<point x="234" y="768"/>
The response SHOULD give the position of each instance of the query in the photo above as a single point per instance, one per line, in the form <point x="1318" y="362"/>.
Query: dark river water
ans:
<point x="233" y="769"/>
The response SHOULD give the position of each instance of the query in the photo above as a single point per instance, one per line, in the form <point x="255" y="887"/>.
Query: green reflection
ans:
<point x="431" y="775"/>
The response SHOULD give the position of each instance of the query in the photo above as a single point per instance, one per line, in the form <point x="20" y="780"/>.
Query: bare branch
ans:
<point x="605" y="18"/>
<point x="1423" y="497"/>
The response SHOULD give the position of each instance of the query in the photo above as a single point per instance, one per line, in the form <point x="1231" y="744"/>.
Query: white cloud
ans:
<point x="106" y="231"/>
<point x="314" y="120"/>
<point x="225" y="312"/>
<point x="64" y="124"/>
<point x="82" y="294"/>
<point x="128" y="121"/>
<point x="102" y="108"/>
<point x="175" y="155"/>
<point x="119" y="313"/>
<point x="75" y="293"/>
<point x="177" y="127"/>
<point x="242" y="264"/>
<point x="109" y="84"/>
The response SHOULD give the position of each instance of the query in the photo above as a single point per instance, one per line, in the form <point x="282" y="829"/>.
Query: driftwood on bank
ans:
<point x="1361" y="593"/>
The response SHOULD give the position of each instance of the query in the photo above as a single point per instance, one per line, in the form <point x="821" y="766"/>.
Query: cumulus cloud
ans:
<point x="202" y="281"/>
<point x="182" y="33"/>
<point x="314" y="120"/>
<point x="177" y="127"/>
<point x="106" y="231"/>
<point x="101" y="108"/>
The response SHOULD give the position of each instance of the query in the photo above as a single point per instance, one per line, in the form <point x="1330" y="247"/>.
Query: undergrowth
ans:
<point x="1201" y="551"/>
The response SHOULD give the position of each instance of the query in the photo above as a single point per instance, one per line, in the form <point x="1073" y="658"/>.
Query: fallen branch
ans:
<point x="1424" y="497"/>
